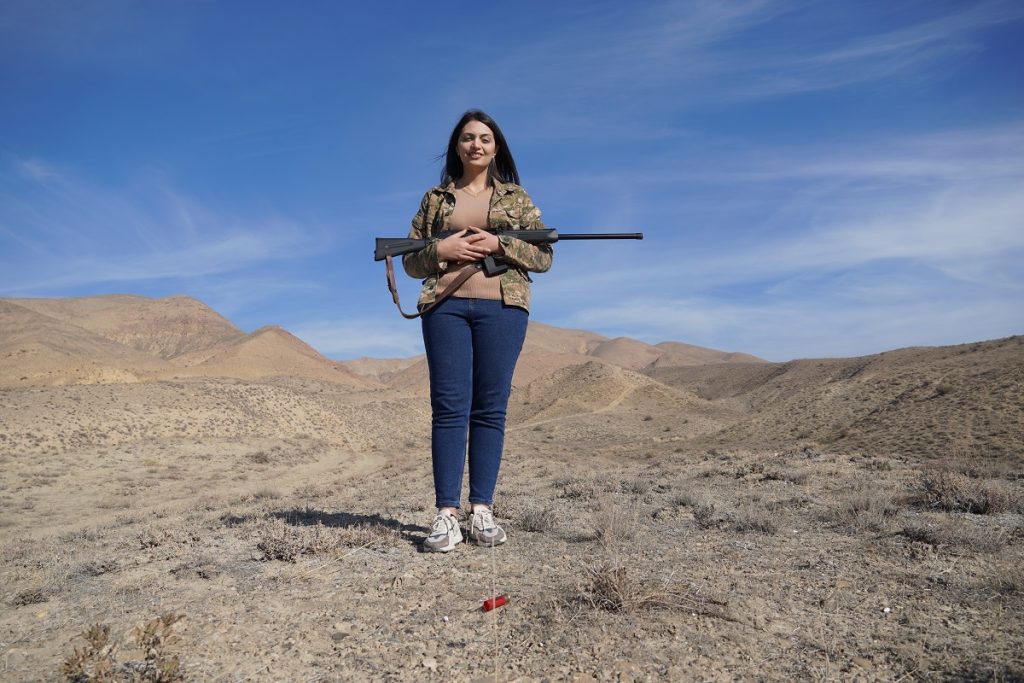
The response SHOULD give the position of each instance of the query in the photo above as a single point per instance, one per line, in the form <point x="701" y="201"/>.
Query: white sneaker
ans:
<point x="445" y="533"/>
<point x="483" y="530"/>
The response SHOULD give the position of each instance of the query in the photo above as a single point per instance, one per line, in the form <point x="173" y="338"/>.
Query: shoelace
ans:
<point x="442" y="525"/>
<point x="485" y="519"/>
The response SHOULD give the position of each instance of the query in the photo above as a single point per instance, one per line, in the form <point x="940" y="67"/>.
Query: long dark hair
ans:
<point x="502" y="166"/>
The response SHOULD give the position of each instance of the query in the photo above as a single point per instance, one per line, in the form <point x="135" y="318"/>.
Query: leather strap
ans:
<point x="466" y="273"/>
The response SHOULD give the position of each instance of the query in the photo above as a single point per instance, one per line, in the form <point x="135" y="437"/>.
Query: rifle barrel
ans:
<point x="600" y="236"/>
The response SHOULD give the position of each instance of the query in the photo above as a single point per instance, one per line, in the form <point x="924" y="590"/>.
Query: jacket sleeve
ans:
<point x="422" y="263"/>
<point x="533" y="257"/>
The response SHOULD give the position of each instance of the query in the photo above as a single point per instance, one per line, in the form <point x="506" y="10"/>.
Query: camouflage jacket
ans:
<point x="510" y="209"/>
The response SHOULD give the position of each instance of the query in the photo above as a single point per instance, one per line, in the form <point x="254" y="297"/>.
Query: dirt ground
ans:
<point x="221" y="535"/>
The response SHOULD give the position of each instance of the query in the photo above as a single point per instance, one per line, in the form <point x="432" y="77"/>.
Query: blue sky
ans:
<point x="813" y="178"/>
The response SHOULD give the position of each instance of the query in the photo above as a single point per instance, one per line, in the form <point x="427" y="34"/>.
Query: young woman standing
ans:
<point x="473" y="336"/>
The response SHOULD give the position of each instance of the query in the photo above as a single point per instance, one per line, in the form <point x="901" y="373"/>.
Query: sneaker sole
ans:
<point x="484" y="542"/>
<point x="442" y="549"/>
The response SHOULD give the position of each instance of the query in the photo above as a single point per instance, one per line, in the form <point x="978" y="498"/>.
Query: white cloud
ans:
<point x="62" y="232"/>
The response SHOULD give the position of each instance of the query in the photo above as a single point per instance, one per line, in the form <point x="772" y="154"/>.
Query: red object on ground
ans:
<point x="496" y="601"/>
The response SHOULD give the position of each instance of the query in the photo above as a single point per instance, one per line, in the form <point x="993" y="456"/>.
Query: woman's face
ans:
<point x="476" y="145"/>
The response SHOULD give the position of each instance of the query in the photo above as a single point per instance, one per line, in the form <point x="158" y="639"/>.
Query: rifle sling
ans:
<point x="456" y="283"/>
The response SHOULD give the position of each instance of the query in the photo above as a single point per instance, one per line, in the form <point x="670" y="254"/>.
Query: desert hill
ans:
<point x="595" y="387"/>
<point x="39" y="350"/>
<point x="167" y="327"/>
<point x="930" y="402"/>
<point x="548" y="348"/>
<point x="123" y="338"/>
<point x="380" y="369"/>
<point x="677" y="354"/>
<point x="268" y="352"/>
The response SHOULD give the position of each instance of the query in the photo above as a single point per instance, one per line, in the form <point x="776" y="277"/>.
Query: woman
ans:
<point x="473" y="335"/>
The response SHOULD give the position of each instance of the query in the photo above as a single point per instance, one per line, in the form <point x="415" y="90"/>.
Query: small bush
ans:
<point x="752" y="518"/>
<point x="537" y="520"/>
<point x="1007" y="580"/>
<point x="615" y="523"/>
<point x="622" y="588"/>
<point x="704" y="516"/>
<point x="31" y="596"/>
<point x="864" y="509"/>
<point x="280" y="541"/>
<point x="575" y="488"/>
<point x="96" y="662"/>
<point x="797" y="477"/>
<point x="955" y="492"/>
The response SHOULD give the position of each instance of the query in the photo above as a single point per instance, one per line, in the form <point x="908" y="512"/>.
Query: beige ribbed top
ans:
<point x="470" y="210"/>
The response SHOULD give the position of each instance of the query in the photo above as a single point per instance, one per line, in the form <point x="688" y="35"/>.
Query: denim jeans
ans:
<point x="472" y="347"/>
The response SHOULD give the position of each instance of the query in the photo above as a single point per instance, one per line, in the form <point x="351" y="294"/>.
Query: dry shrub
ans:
<point x="614" y="522"/>
<point x="955" y="492"/>
<point x="1008" y="580"/>
<point x="96" y="662"/>
<point x="704" y="516"/>
<point x="29" y="596"/>
<point x="753" y="518"/>
<point x="794" y="476"/>
<point x="637" y="486"/>
<point x="685" y="499"/>
<point x="618" y="588"/>
<point x="281" y="541"/>
<point x="537" y="520"/>
<point x="574" y="488"/>
<point x="943" y="533"/>
<point x="864" y="509"/>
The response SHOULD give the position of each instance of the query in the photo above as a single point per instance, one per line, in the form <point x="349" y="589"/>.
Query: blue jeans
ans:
<point x="472" y="347"/>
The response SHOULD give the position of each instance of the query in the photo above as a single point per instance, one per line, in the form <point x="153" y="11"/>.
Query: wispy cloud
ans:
<point x="912" y="239"/>
<point x="653" y="59"/>
<point x="60" y="232"/>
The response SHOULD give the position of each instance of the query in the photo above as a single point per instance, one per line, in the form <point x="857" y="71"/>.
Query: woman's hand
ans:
<point x="472" y="244"/>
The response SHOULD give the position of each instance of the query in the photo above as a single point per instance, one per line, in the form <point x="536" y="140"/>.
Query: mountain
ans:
<point x="39" y="350"/>
<point x="125" y="338"/>
<point x="165" y="328"/>
<point x="548" y="349"/>
<point x="268" y="352"/>
<point x="940" y="401"/>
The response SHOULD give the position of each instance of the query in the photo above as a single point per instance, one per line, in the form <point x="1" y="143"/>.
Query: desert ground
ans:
<point x="182" y="501"/>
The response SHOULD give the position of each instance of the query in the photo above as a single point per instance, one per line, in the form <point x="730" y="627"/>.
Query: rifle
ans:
<point x="389" y="247"/>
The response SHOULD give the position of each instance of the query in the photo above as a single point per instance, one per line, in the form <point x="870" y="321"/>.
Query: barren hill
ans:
<point x="626" y="353"/>
<point x="39" y="350"/>
<point x="122" y="338"/>
<point x="550" y="339"/>
<point x="381" y="369"/>
<point x="677" y="354"/>
<point x="596" y="386"/>
<point x="548" y="348"/>
<point x="166" y="328"/>
<point x="965" y="399"/>
<point x="270" y="352"/>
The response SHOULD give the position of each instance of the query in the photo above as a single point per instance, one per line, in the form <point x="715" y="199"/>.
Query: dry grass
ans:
<point x="616" y="521"/>
<point x="751" y="517"/>
<point x="278" y="540"/>
<point x="536" y="519"/>
<point x="625" y="587"/>
<point x="953" y="491"/>
<point x="864" y="509"/>
<point x="96" y="662"/>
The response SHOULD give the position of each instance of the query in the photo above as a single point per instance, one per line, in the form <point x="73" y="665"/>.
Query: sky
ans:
<point x="813" y="179"/>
